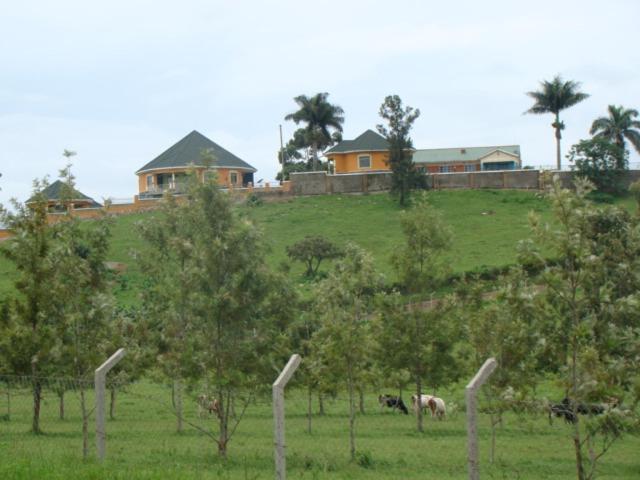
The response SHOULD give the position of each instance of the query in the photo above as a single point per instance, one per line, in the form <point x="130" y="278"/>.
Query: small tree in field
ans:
<point x="506" y="330"/>
<point x="588" y="311"/>
<point x="222" y="303"/>
<point x="82" y="296"/>
<point x="29" y="339"/>
<point x="343" y="339"/>
<point x="400" y="120"/>
<point x="312" y="251"/>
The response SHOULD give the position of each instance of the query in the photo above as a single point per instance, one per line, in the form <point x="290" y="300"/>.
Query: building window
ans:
<point x="233" y="178"/>
<point x="149" y="182"/>
<point x="446" y="168"/>
<point x="364" y="161"/>
<point x="470" y="168"/>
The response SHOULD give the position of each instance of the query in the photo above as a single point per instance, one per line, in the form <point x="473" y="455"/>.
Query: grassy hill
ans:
<point x="487" y="226"/>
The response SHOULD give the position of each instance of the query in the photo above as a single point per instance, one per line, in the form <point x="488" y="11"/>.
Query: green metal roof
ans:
<point x="54" y="191"/>
<point x="465" y="154"/>
<point x="188" y="151"/>
<point x="369" y="141"/>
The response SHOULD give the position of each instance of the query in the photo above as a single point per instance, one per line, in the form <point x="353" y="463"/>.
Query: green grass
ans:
<point x="487" y="225"/>
<point x="142" y="444"/>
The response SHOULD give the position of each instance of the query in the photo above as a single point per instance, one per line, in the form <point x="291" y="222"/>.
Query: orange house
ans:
<point x="367" y="153"/>
<point x="168" y="171"/>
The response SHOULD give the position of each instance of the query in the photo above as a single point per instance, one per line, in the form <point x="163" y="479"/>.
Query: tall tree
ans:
<point x="588" y="313"/>
<point x="553" y="97"/>
<point x="29" y="340"/>
<point x="224" y="305"/>
<point x="343" y="339"/>
<point x="618" y="127"/>
<point x="320" y="117"/>
<point x="400" y="121"/>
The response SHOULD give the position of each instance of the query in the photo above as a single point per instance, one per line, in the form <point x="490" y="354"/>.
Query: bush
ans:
<point x="602" y="162"/>
<point x="254" y="200"/>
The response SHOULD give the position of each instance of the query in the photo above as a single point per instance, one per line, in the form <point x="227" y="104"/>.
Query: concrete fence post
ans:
<point x="100" y="385"/>
<point x="278" y="414"/>
<point x="472" y="423"/>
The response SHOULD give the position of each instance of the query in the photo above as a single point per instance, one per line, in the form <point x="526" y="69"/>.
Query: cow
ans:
<point x="423" y="404"/>
<point x="394" y="402"/>
<point x="437" y="407"/>
<point x="207" y="405"/>
<point x="570" y="412"/>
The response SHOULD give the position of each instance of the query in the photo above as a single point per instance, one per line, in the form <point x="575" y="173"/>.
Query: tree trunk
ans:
<point x="37" y="398"/>
<point x="112" y="405"/>
<point x="361" y="400"/>
<point x="61" y="404"/>
<point x="314" y="154"/>
<point x="558" y="137"/>
<point x="320" y="404"/>
<point x="177" y="395"/>
<point x="309" y="398"/>
<point x="419" y="404"/>
<point x="223" y="437"/>
<point x="85" y="425"/>
<point x="352" y="422"/>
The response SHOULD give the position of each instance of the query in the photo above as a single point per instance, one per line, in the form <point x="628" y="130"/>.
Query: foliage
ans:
<point x="311" y="251"/>
<point x="320" y="117"/>
<point x="589" y="314"/>
<point x="600" y="161"/>
<point x="343" y="338"/>
<point x="219" y="308"/>
<point x="553" y="97"/>
<point x="419" y="263"/>
<point x="618" y="127"/>
<point x="400" y="120"/>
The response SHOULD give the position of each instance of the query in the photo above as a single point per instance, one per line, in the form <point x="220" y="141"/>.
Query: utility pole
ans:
<point x="282" y="159"/>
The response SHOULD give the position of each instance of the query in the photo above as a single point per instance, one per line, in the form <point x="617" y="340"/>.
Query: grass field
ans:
<point x="486" y="224"/>
<point x="142" y="444"/>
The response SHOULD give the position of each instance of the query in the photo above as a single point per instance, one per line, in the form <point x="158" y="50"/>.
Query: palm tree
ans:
<point x="553" y="97"/>
<point x="319" y="116"/>
<point x="620" y="124"/>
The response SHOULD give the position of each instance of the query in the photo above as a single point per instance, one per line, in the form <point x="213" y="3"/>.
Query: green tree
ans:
<point x="343" y="338"/>
<point x="320" y="117"/>
<point x="311" y="251"/>
<point x="618" y="127"/>
<point x="229" y="313"/>
<point x="419" y="262"/>
<point x="29" y="339"/>
<point x="422" y="339"/>
<point x="83" y="296"/>
<point x="506" y="329"/>
<point x="601" y="162"/>
<point x="400" y="120"/>
<point x="588" y="312"/>
<point x="553" y="97"/>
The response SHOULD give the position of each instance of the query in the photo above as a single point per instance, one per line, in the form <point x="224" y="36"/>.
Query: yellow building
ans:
<point x="367" y="153"/>
<point x="168" y="171"/>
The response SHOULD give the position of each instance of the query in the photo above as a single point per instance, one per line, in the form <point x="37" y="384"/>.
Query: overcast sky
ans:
<point x="121" y="81"/>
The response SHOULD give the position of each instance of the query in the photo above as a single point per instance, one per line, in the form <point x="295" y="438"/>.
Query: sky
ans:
<point x="121" y="81"/>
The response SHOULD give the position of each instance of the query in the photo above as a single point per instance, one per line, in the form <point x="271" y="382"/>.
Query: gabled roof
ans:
<point x="54" y="191"/>
<point x="465" y="154"/>
<point x="188" y="151"/>
<point x="369" y="141"/>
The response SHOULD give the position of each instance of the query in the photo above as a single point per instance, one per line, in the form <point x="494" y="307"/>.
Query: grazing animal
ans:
<point x="424" y="402"/>
<point x="394" y="402"/>
<point x="207" y="404"/>
<point x="437" y="407"/>
<point x="564" y="409"/>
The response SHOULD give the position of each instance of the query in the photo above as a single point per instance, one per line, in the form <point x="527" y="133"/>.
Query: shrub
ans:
<point x="601" y="162"/>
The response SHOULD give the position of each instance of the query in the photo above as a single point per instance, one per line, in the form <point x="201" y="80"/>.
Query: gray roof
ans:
<point x="464" y="154"/>
<point x="369" y="141"/>
<point x="54" y="191"/>
<point x="188" y="151"/>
